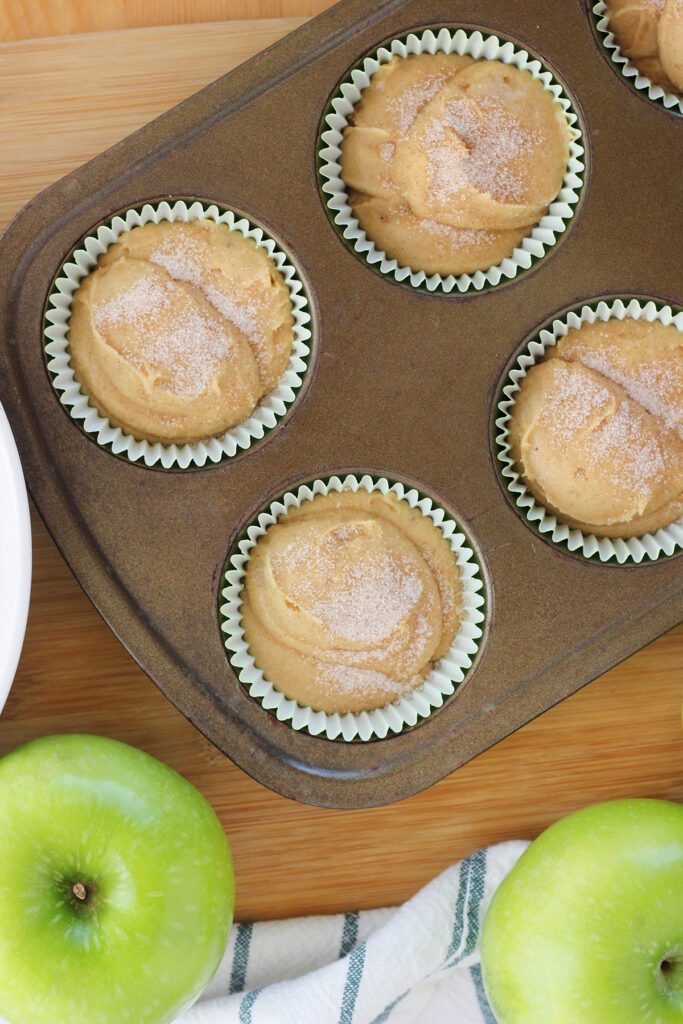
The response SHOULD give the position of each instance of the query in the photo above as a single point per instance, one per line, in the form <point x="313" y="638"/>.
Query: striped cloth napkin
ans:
<point x="405" y="965"/>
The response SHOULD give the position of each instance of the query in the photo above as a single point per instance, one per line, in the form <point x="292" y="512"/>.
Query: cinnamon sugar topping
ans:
<point x="485" y="152"/>
<point x="657" y="388"/>
<point x="185" y="260"/>
<point x="406" y="107"/>
<point x="376" y="595"/>
<point x="187" y="352"/>
<point x="617" y="438"/>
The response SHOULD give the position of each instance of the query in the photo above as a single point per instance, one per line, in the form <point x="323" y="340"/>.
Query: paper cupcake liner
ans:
<point x="443" y="680"/>
<point x="532" y="248"/>
<point x="267" y="413"/>
<point x="624" y="66"/>
<point x="653" y="546"/>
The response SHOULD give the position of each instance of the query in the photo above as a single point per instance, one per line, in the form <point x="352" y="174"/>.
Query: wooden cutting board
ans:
<point x="61" y="102"/>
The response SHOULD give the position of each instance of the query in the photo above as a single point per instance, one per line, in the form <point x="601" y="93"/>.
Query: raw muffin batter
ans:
<point x="180" y="331"/>
<point x="597" y="428"/>
<point x="650" y="34"/>
<point x="450" y="161"/>
<point x="349" y="600"/>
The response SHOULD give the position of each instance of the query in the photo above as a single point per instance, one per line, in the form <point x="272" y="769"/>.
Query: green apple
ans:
<point x="588" y="926"/>
<point x="116" y="885"/>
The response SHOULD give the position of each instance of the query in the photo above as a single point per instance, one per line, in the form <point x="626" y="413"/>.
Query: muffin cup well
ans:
<point x="532" y="248"/>
<point x="441" y="682"/>
<point x="653" y="546"/>
<point x="626" y="68"/>
<point x="84" y="259"/>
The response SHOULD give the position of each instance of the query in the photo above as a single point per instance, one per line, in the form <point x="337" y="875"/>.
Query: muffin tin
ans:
<point x="403" y="384"/>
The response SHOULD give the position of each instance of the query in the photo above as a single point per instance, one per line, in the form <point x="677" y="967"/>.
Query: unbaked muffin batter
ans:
<point x="450" y="162"/>
<point x="650" y="34"/>
<point x="597" y="428"/>
<point x="349" y="600"/>
<point x="180" y="331"/>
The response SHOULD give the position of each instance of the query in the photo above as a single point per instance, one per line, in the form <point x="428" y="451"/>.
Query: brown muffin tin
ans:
<point x="404" y="384"/>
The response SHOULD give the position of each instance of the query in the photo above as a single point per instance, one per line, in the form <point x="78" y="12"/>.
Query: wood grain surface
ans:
<point x="62" y="102"/>
<point x="33" y="19"/>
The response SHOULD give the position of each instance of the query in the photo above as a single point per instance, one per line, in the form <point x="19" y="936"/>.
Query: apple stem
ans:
<point x="670" y="976"/>
<point x="79" y="891"/>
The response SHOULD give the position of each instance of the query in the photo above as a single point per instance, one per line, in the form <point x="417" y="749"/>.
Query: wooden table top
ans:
<point x="64" y="101"/>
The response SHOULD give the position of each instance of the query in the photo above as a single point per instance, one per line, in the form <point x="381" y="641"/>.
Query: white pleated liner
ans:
<point x="542" y="237"/>
<point x="626" y="68"/>
<point x="441" y="682"/>
<point x="83" y="260"/>
<point x="662" y="542"/>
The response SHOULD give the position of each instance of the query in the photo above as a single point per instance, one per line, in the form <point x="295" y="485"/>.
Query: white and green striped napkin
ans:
<point x="406" y="965"/>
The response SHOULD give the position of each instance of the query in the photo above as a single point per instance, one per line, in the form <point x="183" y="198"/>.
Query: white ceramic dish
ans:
<point x="15" y="557"/>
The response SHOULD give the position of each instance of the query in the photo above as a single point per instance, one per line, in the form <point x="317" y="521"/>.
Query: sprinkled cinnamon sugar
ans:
<point x="185" y="260"/>
<point x="651" y="386"/>
<point x="636" y="458"/>
<point x="573" y="403"/>
<point x="458" y="237"/>
<point x="406" y="107"/>
<point x="488" y="154"/>
<point x="359" y="682"/>
<point x="386" y="152"/>
<point x="613" y="431"/>
<point x="186" y="352"/>
<point x="376" y="595"/>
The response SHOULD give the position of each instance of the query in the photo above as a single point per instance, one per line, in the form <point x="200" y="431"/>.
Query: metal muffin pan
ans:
<point x="403" y="385"/>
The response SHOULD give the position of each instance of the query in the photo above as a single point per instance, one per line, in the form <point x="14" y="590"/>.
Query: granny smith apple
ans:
<point x="116" y="885"/>
<point x="588" y="926"/>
